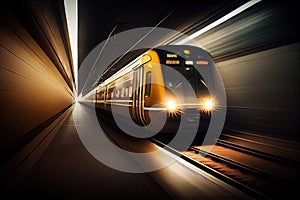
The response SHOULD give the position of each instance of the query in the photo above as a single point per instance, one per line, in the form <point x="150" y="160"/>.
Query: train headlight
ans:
<point x="171" y="106"/>
<point x="208" y="105"/>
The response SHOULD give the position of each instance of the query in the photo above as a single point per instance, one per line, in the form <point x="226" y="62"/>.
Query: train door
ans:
<point x="138" y="97"/>
<point x="188" y="73"/>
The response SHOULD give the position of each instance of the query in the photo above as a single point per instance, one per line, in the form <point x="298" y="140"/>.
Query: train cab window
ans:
<point x="122" y="92"/>
<point x="117" y="93"/>
<point x="148" y="84"/>
<point x="172" y="78"/>
<point x="130" y="91"/>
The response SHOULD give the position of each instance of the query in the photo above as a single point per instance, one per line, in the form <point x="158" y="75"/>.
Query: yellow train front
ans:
<point x="164" y="79"/>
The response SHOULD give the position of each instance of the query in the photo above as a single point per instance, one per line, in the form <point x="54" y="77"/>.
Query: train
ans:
<point x="162" y="79"/>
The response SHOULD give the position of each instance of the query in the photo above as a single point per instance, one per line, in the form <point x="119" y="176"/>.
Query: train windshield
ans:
<point x="180" y="69"/>
<point x="183" y="76"/>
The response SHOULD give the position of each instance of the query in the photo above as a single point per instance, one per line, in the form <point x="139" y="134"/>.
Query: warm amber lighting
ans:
<point x="171" y="106"/>
<point x="172" y="62"/>
<point x="201" y="62"/>
<point x="186" y="51"/>
<point x="171" y="55"/>
<point x="209" y="105"/>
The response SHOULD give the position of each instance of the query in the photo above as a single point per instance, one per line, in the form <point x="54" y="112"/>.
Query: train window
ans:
<point x="148" y="84"/>
<point x="122" y="92"/>
<point x="172" y="78"/>
<point x="130" y="91"/>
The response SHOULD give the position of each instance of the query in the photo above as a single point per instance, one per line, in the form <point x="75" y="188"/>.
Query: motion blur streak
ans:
<point x="263" y="27"/>
<point x="71" y="7"/>
<point x="36" y="72"/>
<point x="220" y="21"/>
<point x="263" y="91"/>
<point x="257" y="54"/>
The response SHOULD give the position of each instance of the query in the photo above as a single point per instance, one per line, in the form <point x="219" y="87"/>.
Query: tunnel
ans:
<point x="63" y="86"/>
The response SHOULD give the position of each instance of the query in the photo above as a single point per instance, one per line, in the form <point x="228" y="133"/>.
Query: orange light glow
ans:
<point x="172" y="108"/>
<point x="171" y="105"/>
<point x="201" y="62"/>
<point x="172" y="62"/>
<point x="186" y="51"/>
<point x="207" y="105"/>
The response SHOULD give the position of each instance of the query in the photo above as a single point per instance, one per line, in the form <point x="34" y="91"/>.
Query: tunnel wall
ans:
<point x="257" y="53"/>
<point x="36" y="74"/>
<point x="263" y="92"/>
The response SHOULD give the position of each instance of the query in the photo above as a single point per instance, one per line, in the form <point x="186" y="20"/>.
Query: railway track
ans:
<point x="267" y="147"/>
<point x="252" y="180"/>
<point x="259" y="166"/>
<point x="255" y="172"/>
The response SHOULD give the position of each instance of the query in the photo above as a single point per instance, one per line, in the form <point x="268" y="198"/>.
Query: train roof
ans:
<point x="130" y="56"/>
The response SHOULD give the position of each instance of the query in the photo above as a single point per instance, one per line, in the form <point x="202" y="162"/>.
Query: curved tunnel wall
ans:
<point x="36" y="73"/>
<point x="263" y="92"/>
<point x="258" y="53"/>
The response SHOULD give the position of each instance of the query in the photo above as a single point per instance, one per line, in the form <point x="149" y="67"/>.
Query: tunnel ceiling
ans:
<point x="97" y="19"/>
